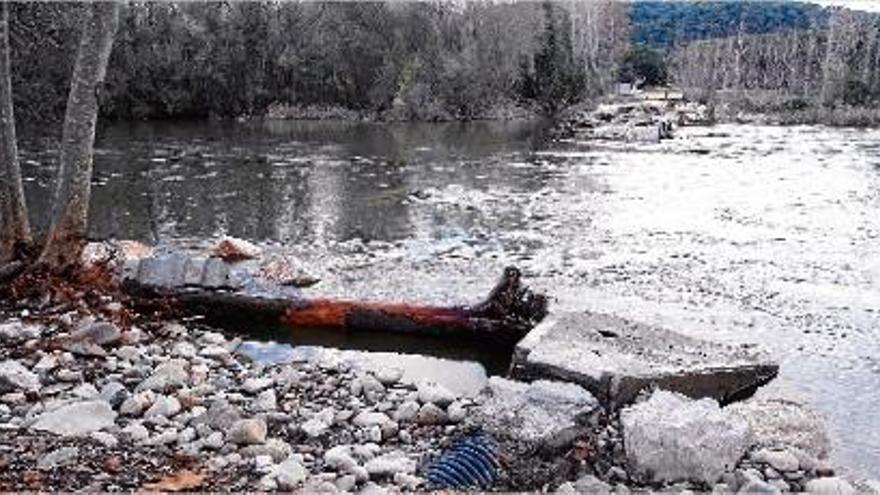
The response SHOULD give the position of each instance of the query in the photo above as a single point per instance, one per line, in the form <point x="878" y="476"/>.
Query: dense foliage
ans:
<point x="437" y="60"/>
<point x="663" y="23"/>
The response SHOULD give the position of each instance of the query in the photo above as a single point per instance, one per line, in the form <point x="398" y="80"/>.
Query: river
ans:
<point x="737" y="233"/>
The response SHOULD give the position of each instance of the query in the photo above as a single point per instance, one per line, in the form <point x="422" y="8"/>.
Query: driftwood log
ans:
<point x="505" y="316"/>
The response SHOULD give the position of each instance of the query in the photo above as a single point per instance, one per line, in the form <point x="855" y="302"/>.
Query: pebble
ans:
<point x="389" y="375"/>
<point x="136" y="431"/>
<point x="266" y="401"/>
<point x="780" y="460"/>
<point x="430" y="414"/>
<point x="58" y="458"/>
<point x="829" y="486"/>
<point x="114" y="393"/>
<point x="290" y="474"/>
<point x="247" y="432"/>
<point x="390" y="464"/>
<point x="456" y="412"/>
<point x="14" y="376"/>
<point x="254" y="385"/>
<point x="137" y="403"/>
<point x="407" y="411"/>
<point x="104" y="438"/>
<point x="346" y="483"/>
<point x="164" y="406"/>
<point x="435" y="393"/>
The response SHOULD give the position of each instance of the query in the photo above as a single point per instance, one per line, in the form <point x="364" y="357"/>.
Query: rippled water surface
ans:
<point x="736" y="233"/>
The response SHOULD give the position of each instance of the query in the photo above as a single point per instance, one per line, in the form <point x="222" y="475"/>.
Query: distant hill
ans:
<point x="663" y="23"/>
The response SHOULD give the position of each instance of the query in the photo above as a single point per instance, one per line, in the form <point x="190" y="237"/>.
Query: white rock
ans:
<point x="676" y="438"/>
<point x="14" y="376"/>
<point x="46" y="363"/>
<point x="137" y="403"/>
<point x="829" y="486"/>
<point x="290" y="474"/>
<point x="136" y="431"/>
<point x="214" y="352"/>
<point x="390" y="464"/>
<point x="58" y="458"/>
<point x="85" y="391"/>
<point x="346" y="483"/>
<point x="780" y="460"/>
<point x="389" y="375"/>
<point x="319" y="423"/>
<point x="164" y="406"/>
<point x="435" y="393"/>
<point x="456" y="412"/>
<point x="266" y="401"/>
<point x="430" y="414"/>
<point x="184" y="349"/>
<point x="78" y="418"/>
<point x="114" y="393"/>
<point x="340" y="459"/>
<point x="247" y="432"/>
<point x="407" y="411"/>
<point x="366" y="418"/>
<point x="407" y="481"/>
<point x="254" y="385"/>
<point x="168" y="374"/>
<point x="104" y="438"/>
<point x="367" y="385"/>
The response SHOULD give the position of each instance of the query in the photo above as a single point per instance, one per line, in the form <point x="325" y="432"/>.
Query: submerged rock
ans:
<point x="670" y="437"/>
<point x="616" y="358"/>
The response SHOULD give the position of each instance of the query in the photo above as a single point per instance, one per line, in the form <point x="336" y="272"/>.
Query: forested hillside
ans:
<point x="664" y="23"/>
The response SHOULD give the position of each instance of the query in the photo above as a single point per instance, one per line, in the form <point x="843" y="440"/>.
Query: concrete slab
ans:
<point x="615" y="358"/>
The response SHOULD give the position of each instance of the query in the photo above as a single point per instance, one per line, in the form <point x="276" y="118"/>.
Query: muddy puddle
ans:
<point x="744" y="234"/>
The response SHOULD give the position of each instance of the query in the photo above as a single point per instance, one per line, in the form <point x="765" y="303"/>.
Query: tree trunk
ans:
<point x="71" y="209"/>
<point x="15" y="230"/>
<point x="504" y="317"/>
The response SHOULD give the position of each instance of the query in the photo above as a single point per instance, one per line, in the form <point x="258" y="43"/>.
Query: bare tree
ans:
<point x="70" y="216"/>
<point x="14" y="227"/>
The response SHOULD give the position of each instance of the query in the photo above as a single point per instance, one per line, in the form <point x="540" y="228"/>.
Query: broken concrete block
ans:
<point x="541" y="412"/>
<point x="670" y="438"/>
<point x="615" y="359"/>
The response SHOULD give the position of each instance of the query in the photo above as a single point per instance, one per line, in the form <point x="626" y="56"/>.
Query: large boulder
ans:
<point x="670" y="437"/>
<point x="76" y="419"/>
<point x="615" y="359"/>
<point x="538" y="412"/>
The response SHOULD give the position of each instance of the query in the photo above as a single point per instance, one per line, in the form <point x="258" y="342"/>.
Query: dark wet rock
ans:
<point x="670" y="437"/>
<point x="541" y="411"/>
<point x="14" y="376"/>
<point x="77" y="418"/>
<point x="615" y="359"/>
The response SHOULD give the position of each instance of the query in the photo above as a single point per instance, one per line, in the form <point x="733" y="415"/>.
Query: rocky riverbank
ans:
<point x="88" y="405"/>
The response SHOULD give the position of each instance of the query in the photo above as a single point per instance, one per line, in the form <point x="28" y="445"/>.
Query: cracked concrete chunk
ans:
<point x="670" y="437"/>
<point x="615" y="359"/>
<point x="541" y="411"/>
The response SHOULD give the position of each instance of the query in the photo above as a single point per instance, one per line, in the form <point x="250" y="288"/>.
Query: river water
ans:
<point x="737" y="233"/>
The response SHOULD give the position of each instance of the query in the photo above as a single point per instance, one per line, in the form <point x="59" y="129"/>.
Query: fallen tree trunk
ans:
<point x="507" y="314"/>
